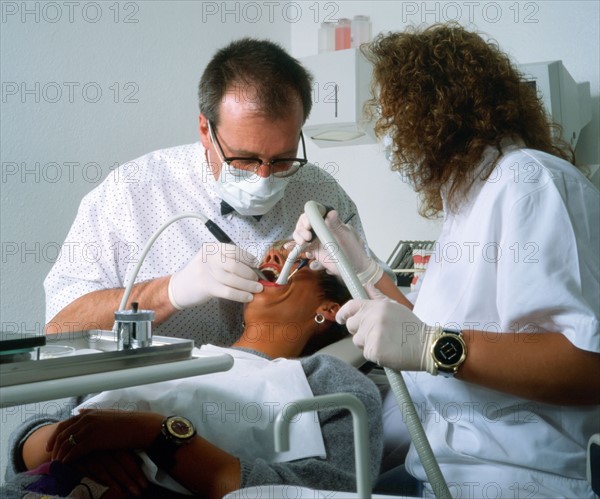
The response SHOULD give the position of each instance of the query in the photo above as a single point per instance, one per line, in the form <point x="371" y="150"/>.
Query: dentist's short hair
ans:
<point x="258" y="70"/>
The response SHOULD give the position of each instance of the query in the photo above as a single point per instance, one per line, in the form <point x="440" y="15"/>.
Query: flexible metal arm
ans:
<point x="359" y="425"/>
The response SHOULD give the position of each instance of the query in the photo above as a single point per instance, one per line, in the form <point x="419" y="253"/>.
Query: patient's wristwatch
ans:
<point x="449" y="351"/>
<point x="175" y="431"/>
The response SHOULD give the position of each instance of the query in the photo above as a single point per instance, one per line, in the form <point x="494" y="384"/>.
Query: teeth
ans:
<point x="271" y="273"/>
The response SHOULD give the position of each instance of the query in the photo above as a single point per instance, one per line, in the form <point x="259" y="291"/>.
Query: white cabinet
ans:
<point x="341" y="86"/>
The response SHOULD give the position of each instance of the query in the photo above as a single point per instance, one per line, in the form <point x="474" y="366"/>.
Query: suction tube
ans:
<point x="314" y="212"/>
<point x="294" y="253"/>
<point x="287" y="266"/>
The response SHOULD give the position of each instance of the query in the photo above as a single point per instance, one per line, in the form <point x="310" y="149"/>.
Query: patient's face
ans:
<point x="295" y="301"/>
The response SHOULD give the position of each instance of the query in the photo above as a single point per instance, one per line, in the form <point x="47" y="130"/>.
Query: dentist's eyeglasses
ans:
<point x="280" y="167"/>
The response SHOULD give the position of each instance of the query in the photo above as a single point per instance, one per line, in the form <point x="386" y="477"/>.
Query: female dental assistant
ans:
<point x="502" y="347"/>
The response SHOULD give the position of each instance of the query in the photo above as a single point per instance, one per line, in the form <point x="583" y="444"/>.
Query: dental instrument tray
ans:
<point x="91" y="352"/>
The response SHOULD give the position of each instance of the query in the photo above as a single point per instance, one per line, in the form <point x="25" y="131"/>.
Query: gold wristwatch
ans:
<point x="175" y="432"/>
<point x="449" y="351"/>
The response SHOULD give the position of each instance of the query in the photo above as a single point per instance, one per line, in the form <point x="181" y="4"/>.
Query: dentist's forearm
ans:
<point x="96" y="310"/>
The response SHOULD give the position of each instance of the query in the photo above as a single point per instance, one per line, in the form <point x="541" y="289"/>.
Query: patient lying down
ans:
<point x="232" y="412"/>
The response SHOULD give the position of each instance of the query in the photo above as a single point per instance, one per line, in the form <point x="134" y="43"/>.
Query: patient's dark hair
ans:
<point x="259" y="70"/>
<point x="331" y="289"/>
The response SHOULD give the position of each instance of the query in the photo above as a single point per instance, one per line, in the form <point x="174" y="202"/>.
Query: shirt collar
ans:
<point x="490" y="155"/>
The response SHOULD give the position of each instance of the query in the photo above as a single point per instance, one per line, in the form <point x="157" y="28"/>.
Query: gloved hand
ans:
<point x="389" y="333"/>
<point x="367" y="269"/>
<point x="217" y="270"/>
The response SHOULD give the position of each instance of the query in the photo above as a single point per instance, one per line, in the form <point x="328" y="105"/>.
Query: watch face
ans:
<point x="448" y="351"/>
<point x="180" y="427"/>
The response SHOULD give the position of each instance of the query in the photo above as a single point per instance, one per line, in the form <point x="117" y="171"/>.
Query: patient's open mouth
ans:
<point x="271" y="273"/>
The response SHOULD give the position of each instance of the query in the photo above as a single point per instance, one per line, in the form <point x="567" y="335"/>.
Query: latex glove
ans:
<point x="366" y="269"/>
<point x="216" y="271"/>
<point x="389" y="333"/>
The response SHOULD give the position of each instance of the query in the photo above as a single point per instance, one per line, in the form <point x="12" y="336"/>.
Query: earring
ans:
<point x="319" y="318"/>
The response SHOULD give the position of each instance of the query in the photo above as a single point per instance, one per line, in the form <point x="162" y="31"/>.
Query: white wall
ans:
<point x="528" y="31"/>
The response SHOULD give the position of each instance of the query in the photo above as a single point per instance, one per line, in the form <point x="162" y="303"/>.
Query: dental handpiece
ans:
<point x="213" y="228"/>
<point x="222" y="237"/>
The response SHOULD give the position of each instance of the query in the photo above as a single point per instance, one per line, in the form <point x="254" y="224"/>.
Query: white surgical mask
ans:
<point x="249" y="194"/>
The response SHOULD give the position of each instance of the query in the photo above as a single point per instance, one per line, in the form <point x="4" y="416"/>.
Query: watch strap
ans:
<point x="162" y="452"/>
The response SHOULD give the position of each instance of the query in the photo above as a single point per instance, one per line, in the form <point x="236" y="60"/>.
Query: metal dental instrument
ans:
<point x="303" y="263"/>
<point x="222" y="237"/>
<point x="287" y="266"/>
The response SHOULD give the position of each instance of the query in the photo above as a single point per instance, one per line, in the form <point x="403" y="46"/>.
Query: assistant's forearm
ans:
<point x="96" y="310"/>
<point x="388" y="288"/>
<point x="544" y="367"/>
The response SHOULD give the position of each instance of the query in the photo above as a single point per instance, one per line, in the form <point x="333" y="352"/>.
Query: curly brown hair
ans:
<point x="443" y="94"/>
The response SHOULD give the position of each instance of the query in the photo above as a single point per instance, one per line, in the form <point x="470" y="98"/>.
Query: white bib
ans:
<point x="234" y="410"/>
